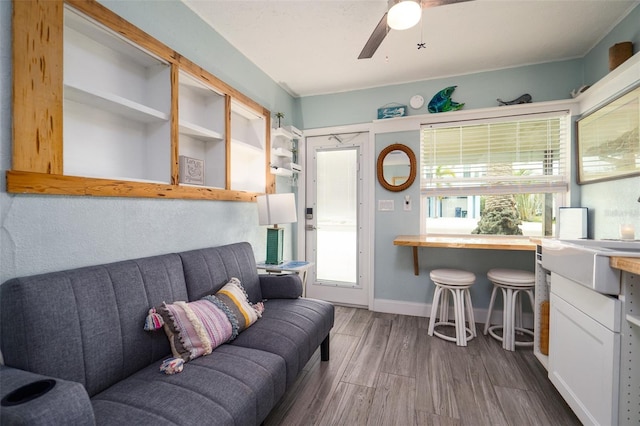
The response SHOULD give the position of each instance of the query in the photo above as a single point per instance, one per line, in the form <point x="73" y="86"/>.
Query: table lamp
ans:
<point x="272" y="210"/>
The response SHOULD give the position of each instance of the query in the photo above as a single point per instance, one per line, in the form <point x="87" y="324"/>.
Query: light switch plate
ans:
<point x="386" y="205"/>
<point x="407" y="203"/>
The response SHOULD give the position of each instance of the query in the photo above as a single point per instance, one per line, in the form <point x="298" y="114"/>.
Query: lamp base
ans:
<point x="275" y="246"/>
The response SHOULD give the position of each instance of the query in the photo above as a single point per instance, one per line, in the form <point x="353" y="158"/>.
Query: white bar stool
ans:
<point x="456" y="282"/>
<point x="512" y="282"/>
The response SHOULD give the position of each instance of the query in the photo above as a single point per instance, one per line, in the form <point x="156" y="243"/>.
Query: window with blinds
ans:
<point x="516" y="154"/>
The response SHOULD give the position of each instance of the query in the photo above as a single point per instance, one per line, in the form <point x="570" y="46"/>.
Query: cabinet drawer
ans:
<point x="604" y="309"/>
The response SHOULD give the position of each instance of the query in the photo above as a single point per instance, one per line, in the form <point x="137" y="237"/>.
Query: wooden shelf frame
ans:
<point x="38" y="87"/>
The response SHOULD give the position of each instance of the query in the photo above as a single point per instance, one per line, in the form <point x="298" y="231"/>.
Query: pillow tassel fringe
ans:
<point x="172" y="365"/>
<point x="154" y="321"/>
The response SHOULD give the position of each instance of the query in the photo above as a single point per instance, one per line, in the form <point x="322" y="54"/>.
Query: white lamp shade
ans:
<point x="276" y="208"/>
<point x="404" y="14"/>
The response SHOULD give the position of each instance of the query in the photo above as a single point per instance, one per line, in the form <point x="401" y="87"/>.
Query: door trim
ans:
<point x="368" y="191"/>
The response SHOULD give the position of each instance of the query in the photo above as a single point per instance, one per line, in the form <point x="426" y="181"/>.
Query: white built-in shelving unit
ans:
<point x="111" y="111"/>
<point x="283" y="149"/>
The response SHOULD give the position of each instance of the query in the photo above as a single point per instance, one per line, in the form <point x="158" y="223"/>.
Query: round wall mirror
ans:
<point x="396" y="167"/>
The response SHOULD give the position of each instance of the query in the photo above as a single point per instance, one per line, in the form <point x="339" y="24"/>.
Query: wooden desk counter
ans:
<point x="487" y="242"/>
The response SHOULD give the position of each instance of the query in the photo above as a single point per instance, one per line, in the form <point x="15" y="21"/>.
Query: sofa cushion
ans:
<point x="194" y="329"/>
<point x="232" y="386"/>
<point x="282" y="286"/>
<point x="291" y="328"/>
<point x="85" y="324"/>
<point x="207" y="270"/>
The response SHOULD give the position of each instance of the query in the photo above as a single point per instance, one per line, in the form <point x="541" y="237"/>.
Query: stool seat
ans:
<point x="512" y="277"/>
<point x="452" y="277"/>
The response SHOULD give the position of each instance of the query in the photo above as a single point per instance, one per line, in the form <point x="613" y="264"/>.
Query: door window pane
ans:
<point x="337" y="219"/>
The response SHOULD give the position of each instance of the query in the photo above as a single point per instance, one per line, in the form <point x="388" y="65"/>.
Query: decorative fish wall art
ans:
<point x="579" y="90"/>
<point x="442" y="102"/>
<point x="524" y="99"/>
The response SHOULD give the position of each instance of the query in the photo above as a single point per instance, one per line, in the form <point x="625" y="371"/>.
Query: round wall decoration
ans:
<point x="416" y="101"/>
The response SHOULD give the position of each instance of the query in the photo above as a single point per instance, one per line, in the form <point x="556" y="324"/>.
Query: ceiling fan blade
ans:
<point x="433" y="3"/>
<point x="375" y="39"/>
<point x="381" y="30"/>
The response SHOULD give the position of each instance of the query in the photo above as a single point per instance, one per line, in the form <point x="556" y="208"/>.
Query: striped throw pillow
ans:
<point x="196" y="328"/>
<point x="235" y="298"/>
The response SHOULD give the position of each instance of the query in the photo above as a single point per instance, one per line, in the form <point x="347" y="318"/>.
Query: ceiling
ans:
<point x="310" y="47"/>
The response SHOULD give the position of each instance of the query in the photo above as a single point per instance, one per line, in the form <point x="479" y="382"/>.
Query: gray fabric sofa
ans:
<point x="83" y="328"/>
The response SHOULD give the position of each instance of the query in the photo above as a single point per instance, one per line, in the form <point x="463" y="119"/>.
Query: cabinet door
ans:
<point x="584" y="363"/>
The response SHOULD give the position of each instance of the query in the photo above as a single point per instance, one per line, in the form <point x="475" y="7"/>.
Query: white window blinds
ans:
<point x="516" y="154"/>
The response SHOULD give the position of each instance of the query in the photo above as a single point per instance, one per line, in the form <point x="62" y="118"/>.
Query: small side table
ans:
<point x="299" y="267"/>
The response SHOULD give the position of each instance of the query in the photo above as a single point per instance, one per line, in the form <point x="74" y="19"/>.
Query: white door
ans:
<point x="334" y="218"/>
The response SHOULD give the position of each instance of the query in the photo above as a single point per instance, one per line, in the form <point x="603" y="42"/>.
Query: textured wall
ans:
<point x="47" y="233"/>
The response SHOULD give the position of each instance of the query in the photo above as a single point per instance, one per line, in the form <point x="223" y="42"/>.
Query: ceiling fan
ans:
<point x="381" y="30"/>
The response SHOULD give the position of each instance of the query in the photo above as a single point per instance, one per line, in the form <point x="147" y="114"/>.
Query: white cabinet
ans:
<point x="584" y="350"/>
<point x="117" y="106"/>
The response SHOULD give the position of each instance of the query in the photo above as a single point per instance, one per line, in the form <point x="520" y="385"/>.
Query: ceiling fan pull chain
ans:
<point x="421" y="45"/>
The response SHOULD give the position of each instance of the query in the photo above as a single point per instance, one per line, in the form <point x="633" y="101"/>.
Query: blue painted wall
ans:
<point x="596" y="62"/>
<point x="45" y="233"/>
<point x="545" y="82"/>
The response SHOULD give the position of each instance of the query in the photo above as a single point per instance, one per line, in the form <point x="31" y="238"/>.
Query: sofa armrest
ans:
<point x="33" y="399"/>
<point x="285" y="286"/>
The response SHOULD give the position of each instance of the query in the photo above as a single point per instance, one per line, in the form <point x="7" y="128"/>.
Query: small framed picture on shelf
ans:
<point x="191" y="170"/>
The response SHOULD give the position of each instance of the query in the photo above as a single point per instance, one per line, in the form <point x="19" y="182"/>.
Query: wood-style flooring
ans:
<point x="386" y="370"/>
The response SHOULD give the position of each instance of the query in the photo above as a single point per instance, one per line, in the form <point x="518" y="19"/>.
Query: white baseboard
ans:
<point x="424" y="310"/>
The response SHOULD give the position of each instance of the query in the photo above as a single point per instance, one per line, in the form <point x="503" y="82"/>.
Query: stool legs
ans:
<point x="511" y="316"/>
<point x="444" y="306"/>
<point x="458" y="305"/>
<point x="471" y="319"/>
<point x="491" y="302"/>
<point x="434" y="310"/>
<point x="463" y="312"/>
<point x="508" y="322"/>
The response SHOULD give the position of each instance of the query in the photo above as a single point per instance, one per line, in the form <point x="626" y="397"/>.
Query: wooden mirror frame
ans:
<point x="412" y="167"/>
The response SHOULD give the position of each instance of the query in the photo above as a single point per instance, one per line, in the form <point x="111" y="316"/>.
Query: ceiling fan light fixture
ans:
<point x="403" y="14"/>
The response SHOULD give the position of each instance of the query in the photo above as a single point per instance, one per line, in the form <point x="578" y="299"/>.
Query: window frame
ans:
<point x="504" y="113"/>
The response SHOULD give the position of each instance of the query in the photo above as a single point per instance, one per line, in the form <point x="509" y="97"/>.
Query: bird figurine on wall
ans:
<point x="524" y="99"/>
<point x="442" y="102"/>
